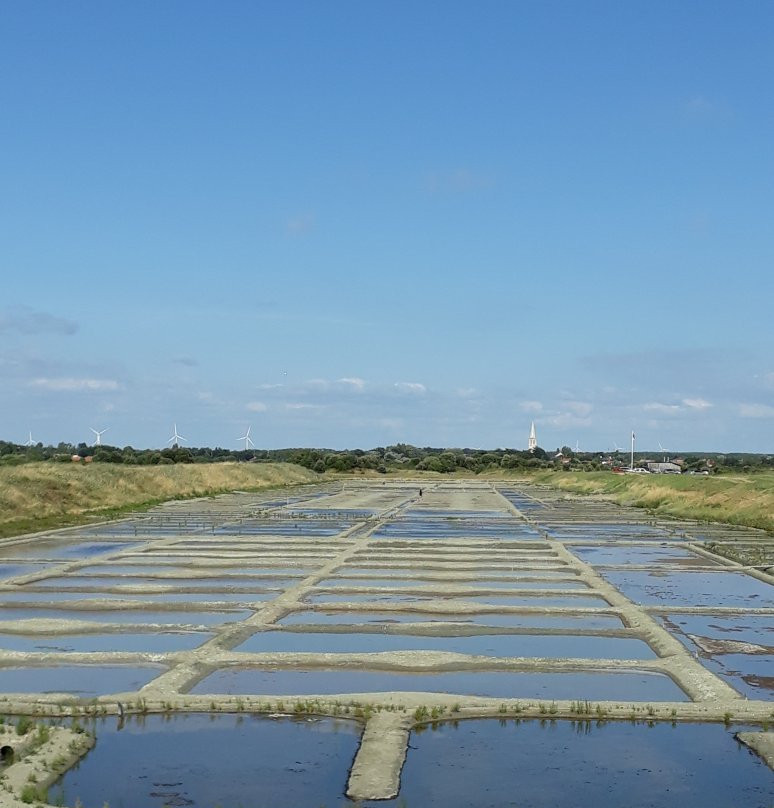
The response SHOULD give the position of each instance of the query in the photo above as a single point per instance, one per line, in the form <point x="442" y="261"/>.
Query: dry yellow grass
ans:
<point x="40" y="495"/>
<point x="734" y="499"/>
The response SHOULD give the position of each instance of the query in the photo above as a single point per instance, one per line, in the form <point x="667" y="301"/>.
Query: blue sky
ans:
<point x="351" y="224"/>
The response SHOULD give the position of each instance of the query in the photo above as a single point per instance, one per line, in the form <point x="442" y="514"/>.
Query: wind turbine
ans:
<point x="30" y="441"/>
<point x="99" y="433"/>
<point x="616" y="447"/>
<point x="577" y="447"/>
<point x="664" y="452"/>
<point x="175" y="439"/>
<point x="246" y="438"/>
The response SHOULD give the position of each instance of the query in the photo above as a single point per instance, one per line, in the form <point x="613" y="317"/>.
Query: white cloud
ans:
<point x="531" y="406"/>
<point x="666" y="409"/>
<point x="411" y="387"/>
<point x="353" y="381"/>
<point x="25" y="320"/>
<point x="71" y="385"/>
<point x="756" y="411"/>
<point x="256" y="406"/>
<point x="565" y="419"/>
<point x="696" y="403"/>
<point x="269" y="386"/>
<point x="299" y="406"/>
<point x="581" y="408"/>
<point x="465" y="392"/>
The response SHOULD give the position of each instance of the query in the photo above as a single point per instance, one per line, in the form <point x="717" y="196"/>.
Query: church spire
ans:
<point x="532" y="445"/>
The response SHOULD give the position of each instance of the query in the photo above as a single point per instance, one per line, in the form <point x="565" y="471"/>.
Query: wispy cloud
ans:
<point x="25" y="320"/>
<point x="671" y="369"/>
<point x="353" y="382"/>
<point x="756" y="411"/>
<point x="185" y="361"/>
<point x="411" y="387"/>
<point x="256" y="406"/>
<point x="531" y="406"/>
<point x="685" y="405"/>
<point x="767" y="379"/>
<point x="696" y="403"/>
<point x="666" y="409"/>
<point x="293" y="405"/>
<point x="563" y="420"/>
<point x="300" y="224"/>
<point x="72" y="385"/>
<point x="700" y="109"/>
<point x="458" y="181"/>
<point x="580" y="408"/>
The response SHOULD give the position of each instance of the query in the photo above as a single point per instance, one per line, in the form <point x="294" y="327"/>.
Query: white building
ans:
<point x="532" y="444"/>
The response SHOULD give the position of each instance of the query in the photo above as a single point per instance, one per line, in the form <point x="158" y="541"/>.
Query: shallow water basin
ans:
<point x="360" y="597"/>
<point x="633" y="554"/>
<point x="634" y="686"/>
<point x="724" y="588"/>
<point x="27" y="596"/>
<point x="66" y="550"/>
<point x="212" y="760"/>
<point x="123" y="615"/>
<point x="539" y="601"/>
<point x="452" y="583"/>
<point x="492" y="645"/>
<point x="499" y="620"/>
<point x="739" y="649"/>
<point x="150" y="642"/>
<point x="183" y="570"/>
<point x="118" y="582"/>
<point x="568" y="764"/>
<point x="15" y="570"/>
<point x="79" y="680"/>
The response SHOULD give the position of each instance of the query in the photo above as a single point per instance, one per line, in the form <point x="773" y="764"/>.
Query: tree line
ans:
<point x="381" y="459"/>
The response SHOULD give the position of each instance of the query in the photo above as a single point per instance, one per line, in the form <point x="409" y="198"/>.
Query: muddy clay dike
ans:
<point x="360" y="644"/>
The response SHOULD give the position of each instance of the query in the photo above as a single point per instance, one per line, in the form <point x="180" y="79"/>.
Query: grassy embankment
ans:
<point x="744" y="499"/>
<point x="38" y="496"/>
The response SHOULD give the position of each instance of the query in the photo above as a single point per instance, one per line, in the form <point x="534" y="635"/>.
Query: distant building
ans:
<point x="663" y="468"/>
<point x="532" y="444"/>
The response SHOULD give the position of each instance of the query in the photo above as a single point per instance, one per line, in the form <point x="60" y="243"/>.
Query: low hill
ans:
<point x="744" y="499"/>
<point x="36" y="496"/>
